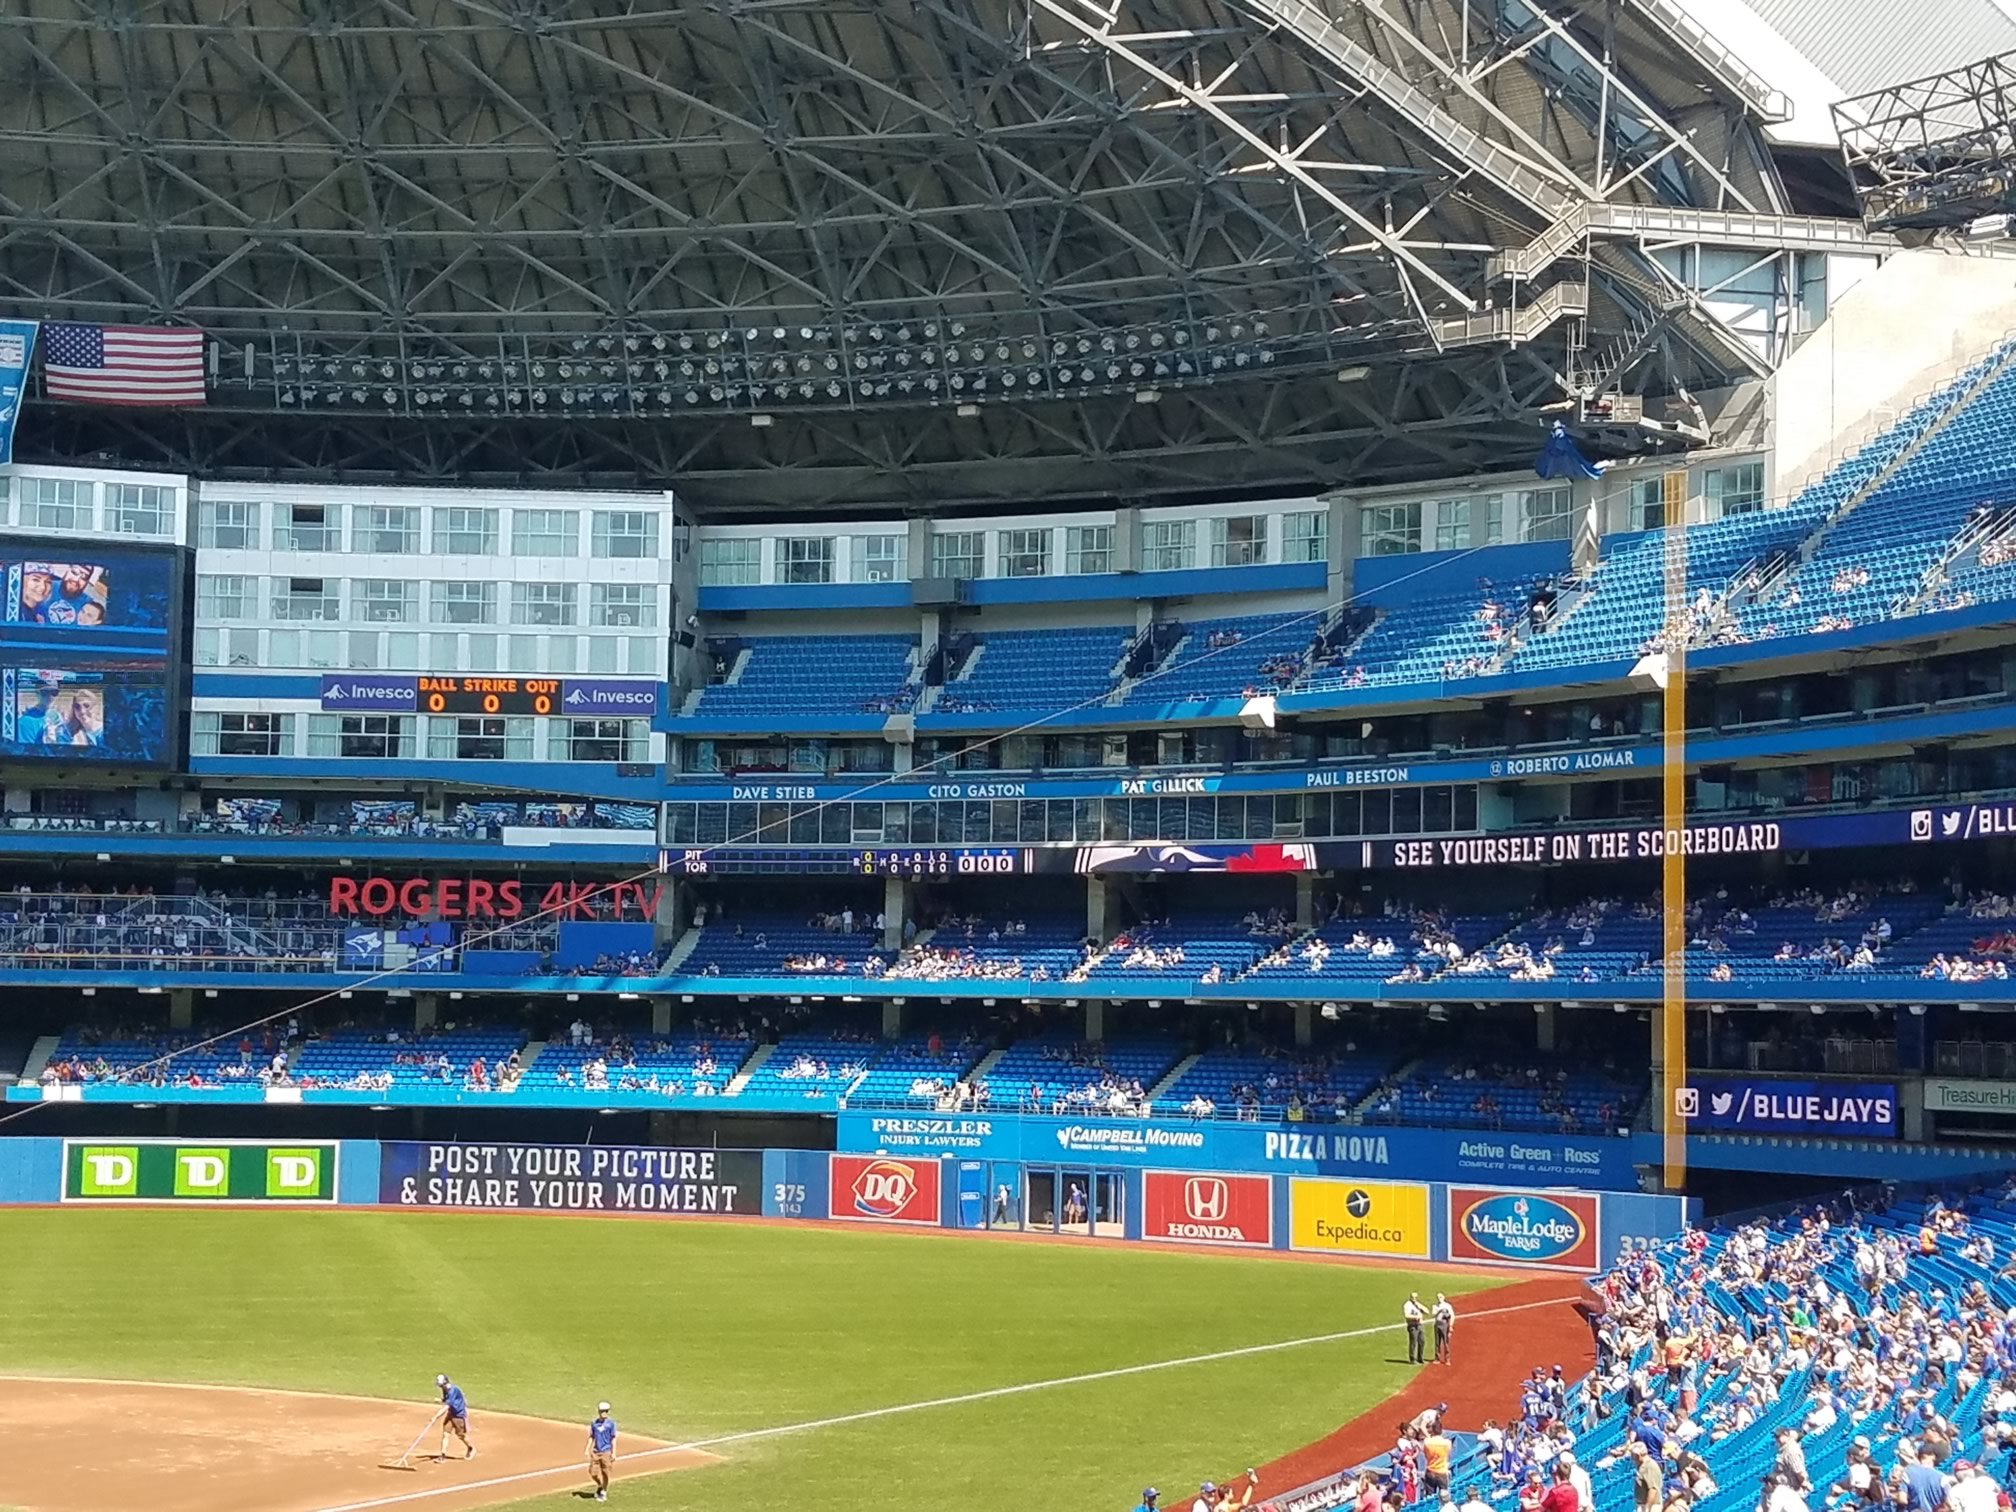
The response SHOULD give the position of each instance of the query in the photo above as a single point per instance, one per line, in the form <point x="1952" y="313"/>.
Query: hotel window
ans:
<point x="385" y="601"/>
<point x="1549" y="514"/>
<point x="217" y="734"/>
<point x="306" y="527"/>
<point x="465" y="532"/>
<point x="544" y="532"/>
<point x="625" y="533"/>
<point x="57" y="504"/>
<point x="1025" y="553"/>
<point x="607" y="740"/>
<point x="306" y="599"/>
<point x="137" y="509"/>
<point x="1088" y="549"/>
<point x="622" y="606"/>
<point x="465" y="604"/>
<point x="1737" y="490"/>
<point x="1305" y="536"/>
<point x="225" y="596"/>
<point x="1169" y="545"/>
<point x="360" y="736"/>
<point x="731" y="562"/>
<point x="1239" y="541"/>
<point x="1452" y="524"/>
<point x="542" y="604"/>
<point x="479" y="739"/>
<point x="385" y="529"/>
<point x="1392" y="529"/>
<point x="805" y="559"/>
<point x="228" y="525"/>
<point x="878" y="558"/>
<point x="958" y="554"/>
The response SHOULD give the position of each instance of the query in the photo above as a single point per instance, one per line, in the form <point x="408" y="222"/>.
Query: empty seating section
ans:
<point x="1058" y="1073"/>
<point x="1455" y="1091"/>
<point x="1230" y="657"/>
<point x="1261" y="1083"/>
<point x="447" y="1058"/>
<point x="1025" y="668"/>
<point x="1881" y="551"/>
<point x="1441" y="633"/>
<point x="817" y="674"/>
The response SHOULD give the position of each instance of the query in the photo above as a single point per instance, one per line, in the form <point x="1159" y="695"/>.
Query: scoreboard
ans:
<point x="919" y="861"/>
<point x="489" y="695"/>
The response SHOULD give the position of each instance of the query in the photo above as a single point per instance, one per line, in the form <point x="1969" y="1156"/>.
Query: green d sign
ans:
<point x="169" y="1171"/>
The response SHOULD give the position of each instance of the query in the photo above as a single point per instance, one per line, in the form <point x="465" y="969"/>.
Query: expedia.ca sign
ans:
<point x="1523" y="1228"/>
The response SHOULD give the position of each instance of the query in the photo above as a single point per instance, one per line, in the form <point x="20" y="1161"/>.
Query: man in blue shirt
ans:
<point x="1925" y="1485"/>
<point x="1148" y="1501"/>
<point x="601" y="1450"/>
<point x="455" y="1419"/>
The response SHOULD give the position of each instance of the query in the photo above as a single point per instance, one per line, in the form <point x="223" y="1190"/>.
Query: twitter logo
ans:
<point x="1949" y="823"/>
<point x="1721" y="1102"/>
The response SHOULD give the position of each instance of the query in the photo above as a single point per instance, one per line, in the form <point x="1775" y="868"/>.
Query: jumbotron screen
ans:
<point x="92" y="657"/>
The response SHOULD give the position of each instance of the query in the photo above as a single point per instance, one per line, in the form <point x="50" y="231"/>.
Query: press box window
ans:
<point x="1240" y="541"/>
<point x="542" y="604"/>
<point x="1025" y="553"/>
<point x="465" y="532"/>
<point x="622" y="606"/>
<point x="385" y="529"/>
<point x="1169" y="545"/>
<point x="731" y="562"/>
<point x="805" y="559"/>
<point x="306" y="527"/>
<point x="465" y="604"/>
<point x="57" y="504"/>
<point x="1088" y="549"/>
<point x="137" y="508"/>
<point x="544" y="532"/>
<point x="385" y="601"/>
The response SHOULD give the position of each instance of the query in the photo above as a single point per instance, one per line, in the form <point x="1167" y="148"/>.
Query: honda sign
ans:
<point x="1208" y="1209"/>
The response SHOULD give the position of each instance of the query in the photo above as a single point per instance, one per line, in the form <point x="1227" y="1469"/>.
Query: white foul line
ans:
<point x="869" y="1414"/>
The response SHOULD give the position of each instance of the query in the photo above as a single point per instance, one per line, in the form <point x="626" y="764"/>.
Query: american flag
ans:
<point x="92" y="364"/>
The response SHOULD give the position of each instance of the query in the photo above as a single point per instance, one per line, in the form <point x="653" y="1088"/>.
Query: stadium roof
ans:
<point x="1174" y="223"/>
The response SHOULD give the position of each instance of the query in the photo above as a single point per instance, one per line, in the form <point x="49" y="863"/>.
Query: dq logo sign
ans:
<point x="1523" y="1228"/>
<point x="1208" y="1209"/>
<point x="886" y="1191"/>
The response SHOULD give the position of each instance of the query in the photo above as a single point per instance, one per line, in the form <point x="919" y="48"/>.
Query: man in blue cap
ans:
<point x="1148" y="1501"/>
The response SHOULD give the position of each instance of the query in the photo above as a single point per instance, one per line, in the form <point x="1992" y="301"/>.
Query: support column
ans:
<point x="1305" y="1025"/>
<point x="1305" y="900"/>
<point x="892" y="1020"/>
<point x="661" y="1015"/>
<point x="1095" y="909"/>
<point x="1586" y="503"/>
<point x="426" y="1011"/>
<point x="181" y="1008"/>
<point x="1095" y="1022"/>
<point x="895" y="911"/>
<point x="1545" y="1022"/>
<point x="1343" y="545"/>
<point x="665" y="927"/>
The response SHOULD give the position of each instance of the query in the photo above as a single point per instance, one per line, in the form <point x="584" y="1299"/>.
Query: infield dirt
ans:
<point x="106" y="1446"/>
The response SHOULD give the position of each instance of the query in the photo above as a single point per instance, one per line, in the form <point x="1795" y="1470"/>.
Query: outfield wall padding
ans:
<point x="1555" y="1228"/>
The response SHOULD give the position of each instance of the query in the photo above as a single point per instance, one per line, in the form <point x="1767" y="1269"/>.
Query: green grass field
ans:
<point x="699" y="1330"/>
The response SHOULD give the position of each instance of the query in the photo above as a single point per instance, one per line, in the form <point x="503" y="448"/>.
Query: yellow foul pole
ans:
<point x="1671" y="1028"/>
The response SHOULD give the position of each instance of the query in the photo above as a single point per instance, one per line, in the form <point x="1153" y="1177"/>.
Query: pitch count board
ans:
<point x="489" y="695"/>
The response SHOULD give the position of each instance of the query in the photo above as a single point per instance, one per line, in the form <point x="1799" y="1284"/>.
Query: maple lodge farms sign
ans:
<point x="484" y="898"/>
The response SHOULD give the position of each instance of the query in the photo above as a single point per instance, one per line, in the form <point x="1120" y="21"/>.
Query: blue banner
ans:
<point x="1464" y="1155"/>
<point x="17" y="348"/>
<point x="1761" y="1105"/>
<point x="370" y="692"/>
